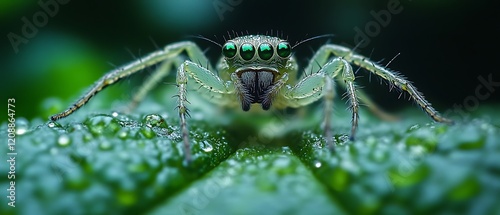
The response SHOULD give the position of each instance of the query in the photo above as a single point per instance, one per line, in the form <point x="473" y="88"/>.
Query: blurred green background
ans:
<point x="444" y="45"/>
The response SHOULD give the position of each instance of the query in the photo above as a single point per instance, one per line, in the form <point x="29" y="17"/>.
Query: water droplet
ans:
<point x="102" y="124"/>
<point x="286" y="150"/>
<point x="413" y="128"/>
<point x="154" y="120"/>
<point x="56" y="126"/>
<point x="51" y="124"/>
<point x="75" y="127"/>
<point x="123" y="134"/>
<point x="341" y="139"/>
<point x="87" y="137"/>
<point x="148" y="132"/>
<point x="114" y="114"/>
<point x="63" y="140"/>
<point x="105" y="145"/>
<point x="317" y="164"/>
<point x="21" y="126"/>
<point x="207" y="147"/>
<point x="21" y="130"/>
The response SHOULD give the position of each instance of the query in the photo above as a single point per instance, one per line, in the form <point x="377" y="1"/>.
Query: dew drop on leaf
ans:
<point x="21" y="130"/>
<point x="317" y="164"/>
<point x="105" y="145"/>
<point x="21" y="126"/>
<point x="102" y="124"/>
<point x="206" y="146"/>
<point x="413" y="128"/>
<point x="54" y="125"/>
<point x="51" y="124"/>
<point x="63" y="140"/>
<point x="154" y="120"/>
<point x="147" y="132"/>
<point x="122" y="134"/>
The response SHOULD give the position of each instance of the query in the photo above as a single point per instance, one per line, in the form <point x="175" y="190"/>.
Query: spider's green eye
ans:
<point x="229" y="50"/>
<point x="284" y="50"/>
<point x="265" y="51"/>
<point x="247" y="51"/>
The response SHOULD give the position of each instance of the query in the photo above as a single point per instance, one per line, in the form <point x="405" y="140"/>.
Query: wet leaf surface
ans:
<point x="120" y="164"/>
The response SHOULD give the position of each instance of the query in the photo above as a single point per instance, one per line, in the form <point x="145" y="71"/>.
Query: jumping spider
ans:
<point x="258" y="69"/>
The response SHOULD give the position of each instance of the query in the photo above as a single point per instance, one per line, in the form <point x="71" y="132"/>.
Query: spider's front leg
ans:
<point x="321" y="85"/>
<point x="216" y="90"/>
<point x="170" y="55"/>
<point x="167" y="55"/>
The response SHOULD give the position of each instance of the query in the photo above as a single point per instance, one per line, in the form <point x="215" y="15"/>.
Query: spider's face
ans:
<point x="257" y="62"/>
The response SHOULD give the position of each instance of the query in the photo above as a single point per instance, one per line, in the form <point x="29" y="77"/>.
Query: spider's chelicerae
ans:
<point x="258" y="69"/>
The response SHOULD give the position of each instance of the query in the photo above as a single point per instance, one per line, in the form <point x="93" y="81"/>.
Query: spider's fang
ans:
<point x="255" y="88"/>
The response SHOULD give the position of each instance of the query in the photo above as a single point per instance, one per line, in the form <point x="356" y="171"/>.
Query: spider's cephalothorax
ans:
<point x="257" y="63"/>
<point x="259" y="69"/>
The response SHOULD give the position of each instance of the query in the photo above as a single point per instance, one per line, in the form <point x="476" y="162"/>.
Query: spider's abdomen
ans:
<point x="256" y="85"/>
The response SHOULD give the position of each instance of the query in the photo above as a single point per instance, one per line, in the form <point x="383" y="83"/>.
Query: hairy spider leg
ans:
<point x="153" y="80"/>
<point x="320" y="58"/>
<point x="217" y="91"/>
<point x="116" y="75"/>
<point x="202" y="76"/>
<point x="392" y="77"/>
<point x="319" y="85"/>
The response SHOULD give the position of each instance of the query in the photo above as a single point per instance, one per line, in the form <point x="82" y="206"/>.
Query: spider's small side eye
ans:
<point x="265" y="51"/>
<point x="229" y="50"/>
<point x="284" y="49"/>
<point x="247" y="51"/>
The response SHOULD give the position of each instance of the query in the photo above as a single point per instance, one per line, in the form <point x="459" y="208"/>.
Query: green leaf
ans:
<point x="134" y="164"/>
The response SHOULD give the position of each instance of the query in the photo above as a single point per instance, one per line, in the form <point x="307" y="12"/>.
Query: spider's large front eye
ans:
<point x="229" y="50"/>
<point x="265" y="51"/>
<point x="247" y="51"/>
<point x="284" y="49"/>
